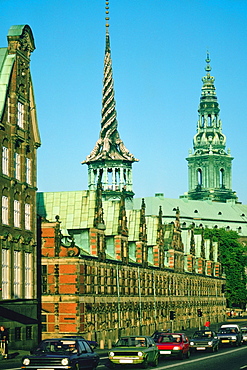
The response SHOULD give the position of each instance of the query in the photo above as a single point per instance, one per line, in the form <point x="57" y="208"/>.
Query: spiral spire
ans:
<point x="109" y="144"/>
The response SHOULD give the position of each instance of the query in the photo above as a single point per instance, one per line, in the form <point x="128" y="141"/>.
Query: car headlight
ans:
<point x="210" y="343"/>
<point x="192" y="343"/>
<point x="65" y="361"/>
<point x="234" y="338"/>
<point x="140" y="354"/>
<point x="26" y="361"/>
<point x="176" y="348"/>
<point x="111" y="354"/>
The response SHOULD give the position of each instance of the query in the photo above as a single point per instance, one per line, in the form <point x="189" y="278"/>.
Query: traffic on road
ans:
<point x="205" y="349"/>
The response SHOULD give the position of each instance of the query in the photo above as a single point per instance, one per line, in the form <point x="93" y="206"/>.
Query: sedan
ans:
<point x="61" y="353"/>
<point x="173" y="344"/>
<point x="204" y="340"/>
<point x="134" y="350"/>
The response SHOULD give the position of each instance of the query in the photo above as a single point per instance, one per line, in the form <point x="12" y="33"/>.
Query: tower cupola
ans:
<point x="110" y="161"/>
<point x="210" y="165"/>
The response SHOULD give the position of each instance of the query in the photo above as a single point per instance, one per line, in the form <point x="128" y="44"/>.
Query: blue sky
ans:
<point x="158" y="51"/>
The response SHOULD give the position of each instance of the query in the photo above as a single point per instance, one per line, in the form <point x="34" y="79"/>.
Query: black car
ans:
<point x="204" y="340"/>
<point x="61" y="353"/>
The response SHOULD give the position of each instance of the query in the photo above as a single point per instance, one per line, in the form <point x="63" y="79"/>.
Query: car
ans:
<point x="134" y="350"/>
<point x="204" y="340"/>
<point x="244" y="333"/>
<point x="173" y="344"/>
<point x="230" y="335"/>
<point x="61" y="353"/>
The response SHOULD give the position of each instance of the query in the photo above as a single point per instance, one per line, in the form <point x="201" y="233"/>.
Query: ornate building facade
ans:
<point x="113" y="264"/>
<point x="19" y="139"/>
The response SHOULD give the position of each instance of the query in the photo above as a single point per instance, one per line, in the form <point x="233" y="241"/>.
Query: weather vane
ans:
<point x="107" y="18"/>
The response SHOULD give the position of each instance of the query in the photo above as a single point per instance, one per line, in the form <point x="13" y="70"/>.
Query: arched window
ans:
<point x="17" y="211"/>
<point x="199" y="176"/>
<point x="5" y="158"/>
<point x="222" y="178"/>
<point x="27" y="214"/>
<point x="5" y="207"/>
<point x="209" y="120"/>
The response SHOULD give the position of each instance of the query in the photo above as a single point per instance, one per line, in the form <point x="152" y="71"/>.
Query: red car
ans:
<point x="173" y="344"/>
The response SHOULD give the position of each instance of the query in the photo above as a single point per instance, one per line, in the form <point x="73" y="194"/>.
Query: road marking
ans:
<point x="201" y="358"/>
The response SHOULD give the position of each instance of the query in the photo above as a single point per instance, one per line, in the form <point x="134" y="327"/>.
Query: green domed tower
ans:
<point x="210" y="166"/>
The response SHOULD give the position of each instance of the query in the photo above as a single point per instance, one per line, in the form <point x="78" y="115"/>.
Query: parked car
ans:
<point x="173" y="344"/>
<point x="204" y="340"/>
<point x="134" y="350"/>
<point x="230" y="334"/>
<point x="61" y="353"/>
<point x="244" y="333"/>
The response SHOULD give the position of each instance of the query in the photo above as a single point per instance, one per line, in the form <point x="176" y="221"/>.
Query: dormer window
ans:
<point x="20" y="115"/>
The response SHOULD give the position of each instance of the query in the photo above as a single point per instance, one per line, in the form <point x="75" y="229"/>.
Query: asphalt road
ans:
<point x="228" y="358"/>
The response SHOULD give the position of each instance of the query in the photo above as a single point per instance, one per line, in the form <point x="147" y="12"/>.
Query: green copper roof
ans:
<point x="207" y="213"/>
<point x="6" y="65"/>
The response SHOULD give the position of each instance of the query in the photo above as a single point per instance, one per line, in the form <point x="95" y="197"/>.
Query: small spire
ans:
<point x="208" y="60"/>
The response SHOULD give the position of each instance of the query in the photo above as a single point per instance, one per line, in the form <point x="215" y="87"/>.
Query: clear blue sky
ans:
<point x="158" y="52"/>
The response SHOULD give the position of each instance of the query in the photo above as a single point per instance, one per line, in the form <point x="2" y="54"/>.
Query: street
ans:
<point x="226" y="358"/>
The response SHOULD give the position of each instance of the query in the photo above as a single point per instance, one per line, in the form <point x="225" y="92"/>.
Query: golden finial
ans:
<point x="107" y="18"/>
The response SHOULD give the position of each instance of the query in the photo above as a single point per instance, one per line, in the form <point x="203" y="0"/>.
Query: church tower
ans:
<point x="210" y="166"/>
<point x="110" y="162"/>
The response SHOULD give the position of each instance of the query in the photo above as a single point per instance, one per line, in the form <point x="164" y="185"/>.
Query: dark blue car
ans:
<point x="62" y="353"/>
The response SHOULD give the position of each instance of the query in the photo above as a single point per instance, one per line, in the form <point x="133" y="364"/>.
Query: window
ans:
<point x="17" y="166"/>
<point x="5" y="274"/>
<point x="27" y="216"/>
<point x="29" y="334"/>
<point x="20" y="115"/>
<point x="16" y="213"/>
<point x="199" y="176"/>
<point x="28" y="275"/>
<point x="5" y="161"/>
<point x="44" y="323"/>
<point x="18" y="333"/>
<point x="44" y="279"/>
<point x="28" y="171"/>
<point x="17" y="274"/>
<point x="5" y="210"/>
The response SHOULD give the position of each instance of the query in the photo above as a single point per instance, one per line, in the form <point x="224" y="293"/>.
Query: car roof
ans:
<point x="230" y="326"/>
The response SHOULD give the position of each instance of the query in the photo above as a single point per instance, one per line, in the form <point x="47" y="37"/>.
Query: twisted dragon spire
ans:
<point x="109" y="145"/>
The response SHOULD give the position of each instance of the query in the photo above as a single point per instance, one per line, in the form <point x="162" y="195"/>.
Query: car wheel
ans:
<point x="145" y="364"/>
<point x="181" y="356"/>
<point x="156" y="361"/>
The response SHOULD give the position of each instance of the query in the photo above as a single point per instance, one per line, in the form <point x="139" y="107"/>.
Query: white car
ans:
<point x="244" y="333"/>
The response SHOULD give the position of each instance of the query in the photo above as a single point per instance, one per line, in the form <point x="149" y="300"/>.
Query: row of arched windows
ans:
<point x="221" y="177"/>
<point x="18" y="210"/>
<point x="18" y="162"/>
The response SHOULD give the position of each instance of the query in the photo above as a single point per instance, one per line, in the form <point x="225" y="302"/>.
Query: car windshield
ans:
<point x="203" y="334"/>
<point x="227" y="331"/>
<point x="57" y="346"/>
<point x="169" y="338"/>
<point x="131" y="342"/>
